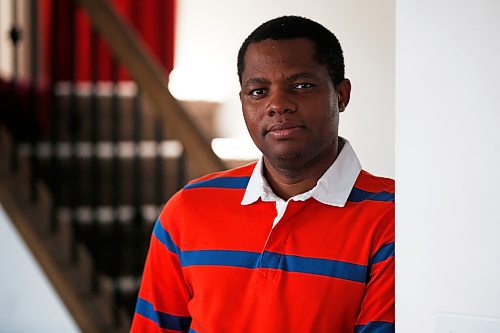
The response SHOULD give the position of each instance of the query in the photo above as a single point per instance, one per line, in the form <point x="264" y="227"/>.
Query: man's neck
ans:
<point x="287" y="182"/>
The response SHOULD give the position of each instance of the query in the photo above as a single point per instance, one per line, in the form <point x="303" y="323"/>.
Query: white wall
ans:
<point x="448" y="163"/>
<point x="28" y="302"/>
<point x="209" y="34"/>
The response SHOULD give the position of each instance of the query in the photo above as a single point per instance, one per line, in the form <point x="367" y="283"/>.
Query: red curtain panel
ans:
<point x="154" y="21"/>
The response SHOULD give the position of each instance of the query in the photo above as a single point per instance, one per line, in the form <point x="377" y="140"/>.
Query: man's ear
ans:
<point x="344" y="93"/>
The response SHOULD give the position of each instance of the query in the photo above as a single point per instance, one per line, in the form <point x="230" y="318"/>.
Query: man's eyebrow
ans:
<point x="293" y="77"/>
<point x="300" y="75"/>
<point x="255" y="80"/>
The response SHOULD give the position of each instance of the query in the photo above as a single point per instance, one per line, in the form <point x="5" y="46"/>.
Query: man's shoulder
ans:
<point x="236" y="178"/>
<point x="372" y="182"/>
<point x="209" y="188"/>
<point x="373" y="188"/>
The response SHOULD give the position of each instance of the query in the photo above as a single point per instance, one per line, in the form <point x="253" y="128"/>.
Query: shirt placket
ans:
<point x="270" y="265"/>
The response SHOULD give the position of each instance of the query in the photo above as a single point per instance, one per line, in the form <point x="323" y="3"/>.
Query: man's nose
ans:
<point x="280" y="102"/>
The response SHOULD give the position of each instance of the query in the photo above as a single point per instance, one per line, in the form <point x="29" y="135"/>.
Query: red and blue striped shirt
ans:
<point x="215" y="265"/>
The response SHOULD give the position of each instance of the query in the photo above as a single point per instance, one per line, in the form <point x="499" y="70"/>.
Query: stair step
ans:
<point x="124" y="283"/>
<point x="202" y="113"/>
<point x="80" y="191"/>
<point x="129" y="288"/>
<point x="74" y="105"/>
<point x="104" y="239"/>
<point x="105" y="150"/>
<point x="105" y="215"/>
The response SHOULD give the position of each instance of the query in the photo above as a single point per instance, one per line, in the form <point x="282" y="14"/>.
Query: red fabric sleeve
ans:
<point x="162" y="305"/>
<point x="377" y="309"/>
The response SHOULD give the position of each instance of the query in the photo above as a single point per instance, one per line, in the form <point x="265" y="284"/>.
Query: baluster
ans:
<point x="181" y="169"/>
<point x="137" y="170"/>
<point x="55" y="117"/>
<point x="137" y="182"/>
<point x="159" y="163"/>
<point x="95" y="171"/>
<point x="34" y="131"/>
<point x="73" y="127"/>
<point x="15" y="37"/>
<point x="117" y="246"/>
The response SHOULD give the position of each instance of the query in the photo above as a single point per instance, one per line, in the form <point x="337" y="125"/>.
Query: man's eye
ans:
<point x="258" y="92"/>
<point x="303" y="85"/>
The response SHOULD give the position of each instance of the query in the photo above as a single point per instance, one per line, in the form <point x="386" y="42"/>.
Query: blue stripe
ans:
<point x="375" y="327"/>
<point x="192" y="331"/>
<point x="165" y="238"/>
<point x="220" y="258"/>
<point x="383" y="253"/>
<point x="162" y="319"/>
<point x="317" y="266"/>
<point x="272" y="260"/>
<point x="221" y="182"/>
<point x="358" y="195"/>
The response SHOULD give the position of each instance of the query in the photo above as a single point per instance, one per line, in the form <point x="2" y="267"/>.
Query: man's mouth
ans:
<point x="284" y="130"/>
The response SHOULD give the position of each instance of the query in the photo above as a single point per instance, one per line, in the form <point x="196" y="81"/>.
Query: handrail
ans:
<point x="146" y="70"/>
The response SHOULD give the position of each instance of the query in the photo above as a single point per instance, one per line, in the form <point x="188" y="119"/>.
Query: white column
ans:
<point x="448" y="166"/>
<point x="28" y="302"/>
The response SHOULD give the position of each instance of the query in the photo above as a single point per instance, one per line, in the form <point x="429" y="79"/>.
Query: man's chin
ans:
<point x="289" y="155"/>
<point x="286" y="160"/>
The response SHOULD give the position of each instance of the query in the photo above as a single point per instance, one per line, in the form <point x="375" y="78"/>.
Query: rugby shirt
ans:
<point x="215" y="265"/>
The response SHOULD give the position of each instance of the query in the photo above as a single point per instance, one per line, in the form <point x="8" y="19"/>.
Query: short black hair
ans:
<point x="328" y="49"/>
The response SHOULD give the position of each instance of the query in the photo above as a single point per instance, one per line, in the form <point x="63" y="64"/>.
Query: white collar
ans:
<point x="333" y="188"/>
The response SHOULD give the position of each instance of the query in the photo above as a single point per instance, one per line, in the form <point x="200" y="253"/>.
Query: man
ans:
<point x="302" y="240"/>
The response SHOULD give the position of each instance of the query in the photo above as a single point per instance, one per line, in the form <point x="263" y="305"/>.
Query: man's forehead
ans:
<point x="293" y="58"/>
<point x="299" y="50"/>
<point x="275" y="43"/>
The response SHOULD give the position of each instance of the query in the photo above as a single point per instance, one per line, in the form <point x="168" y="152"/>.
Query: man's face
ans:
<point x="289" y="102"/>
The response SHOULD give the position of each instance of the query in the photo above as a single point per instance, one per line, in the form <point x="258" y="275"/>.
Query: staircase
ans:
<point x="109" y="190"/>
<point x="101" y="163"/>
